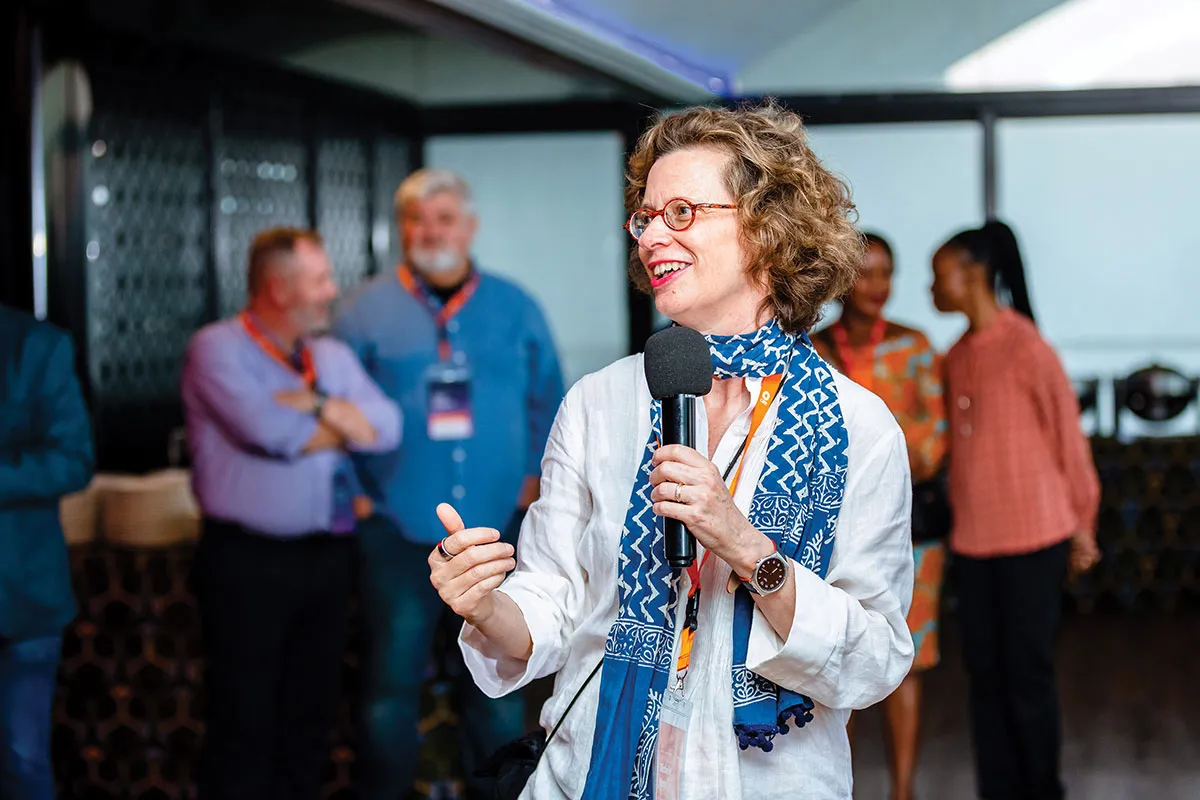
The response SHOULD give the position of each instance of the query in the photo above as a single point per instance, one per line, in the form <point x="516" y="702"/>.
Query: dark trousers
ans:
<point x="1010" y="609"/>
<point x="273" y="616"/>
<point x="403" y="612"/>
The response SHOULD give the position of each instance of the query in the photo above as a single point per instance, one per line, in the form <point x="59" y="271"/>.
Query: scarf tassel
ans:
<point x="801" y="715"/>
<point x="760" y="736"/>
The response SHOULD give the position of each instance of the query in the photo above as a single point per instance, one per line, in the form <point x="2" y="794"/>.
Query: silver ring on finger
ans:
<point x="443" y="552"/>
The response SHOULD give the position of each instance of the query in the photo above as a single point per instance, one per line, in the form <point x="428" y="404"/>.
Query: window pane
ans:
<point x="1105" y="209"/>
<point x="917" y="185"/>
<point x="550" y="214"/>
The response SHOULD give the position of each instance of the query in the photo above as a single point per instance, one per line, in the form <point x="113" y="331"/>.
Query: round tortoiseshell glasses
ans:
<point x="678" y="214"/>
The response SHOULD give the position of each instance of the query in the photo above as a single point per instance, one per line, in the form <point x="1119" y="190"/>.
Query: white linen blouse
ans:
<point x="849" y="645"/>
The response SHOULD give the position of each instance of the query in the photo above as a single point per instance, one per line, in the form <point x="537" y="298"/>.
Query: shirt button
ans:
<point x="452" y="326"/>
<point x="964" y="402"/>
<point x="458" y="493"/>
<point x="966" y="430"/>
<point x="459" y="455"/>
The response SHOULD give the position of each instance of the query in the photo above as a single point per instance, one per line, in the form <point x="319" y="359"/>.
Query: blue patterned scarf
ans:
<point x="796" y="503"/>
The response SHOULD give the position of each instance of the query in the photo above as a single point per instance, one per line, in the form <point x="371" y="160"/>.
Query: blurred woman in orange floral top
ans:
<point x="900" y="366"/>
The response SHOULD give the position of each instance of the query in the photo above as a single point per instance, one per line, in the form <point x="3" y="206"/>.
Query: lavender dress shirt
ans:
<point x="247" y="464"/>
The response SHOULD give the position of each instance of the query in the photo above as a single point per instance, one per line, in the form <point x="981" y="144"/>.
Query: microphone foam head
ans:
<point x="678" y="362"/>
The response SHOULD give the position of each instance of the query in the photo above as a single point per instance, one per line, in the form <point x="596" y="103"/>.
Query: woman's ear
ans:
<point x="975" y="276"/>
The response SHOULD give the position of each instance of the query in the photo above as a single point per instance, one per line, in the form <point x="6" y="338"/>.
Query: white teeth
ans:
<point x="668" y="266"/>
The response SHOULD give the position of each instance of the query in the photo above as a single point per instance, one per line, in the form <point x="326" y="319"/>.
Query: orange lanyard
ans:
<point x="766" y="396"/>
<point x="442" y="313"/>
<point x="846" y="353"/>
<point x="308" y="369"/>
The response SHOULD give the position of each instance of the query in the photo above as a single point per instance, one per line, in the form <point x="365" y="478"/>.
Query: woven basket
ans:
<point x="155" y="510"/>
<point x="78" y="513"/>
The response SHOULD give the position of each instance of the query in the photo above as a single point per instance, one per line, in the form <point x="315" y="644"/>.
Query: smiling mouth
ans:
<point x="664" y="271"/>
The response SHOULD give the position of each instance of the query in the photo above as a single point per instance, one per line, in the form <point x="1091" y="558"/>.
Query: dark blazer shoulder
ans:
<point x="26" y="341"/>
<point x="22" y="323"/>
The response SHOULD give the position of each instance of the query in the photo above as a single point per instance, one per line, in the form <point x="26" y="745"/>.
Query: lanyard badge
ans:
<point x="673" y="721"/>
<point x="448" y="385"/>
<point x="449" y="396"/>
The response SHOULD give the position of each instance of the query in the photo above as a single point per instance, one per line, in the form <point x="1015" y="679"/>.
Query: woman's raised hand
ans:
<point x="467" y="567"/>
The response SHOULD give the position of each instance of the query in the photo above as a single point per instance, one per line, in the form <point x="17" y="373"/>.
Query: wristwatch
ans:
<point x="319" y="399"/>
<point x="769" y="574"/>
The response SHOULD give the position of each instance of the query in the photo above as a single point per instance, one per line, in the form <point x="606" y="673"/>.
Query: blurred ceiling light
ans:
<point x="1085" y="44"/>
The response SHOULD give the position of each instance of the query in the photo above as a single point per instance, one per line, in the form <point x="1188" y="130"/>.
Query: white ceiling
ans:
<point x="1108" y="46"/>
<point x="438" y="52"/>
<point x="686" y="48"/>
<point x="885" y="45"/>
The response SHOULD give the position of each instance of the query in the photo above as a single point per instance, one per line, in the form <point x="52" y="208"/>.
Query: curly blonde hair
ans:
<point x="797" y="218"/>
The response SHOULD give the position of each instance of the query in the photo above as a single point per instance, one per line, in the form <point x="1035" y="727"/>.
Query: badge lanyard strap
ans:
<point x="442" y="313"/>
<point x="308" y="370"/>
<point x="770" y="388"/>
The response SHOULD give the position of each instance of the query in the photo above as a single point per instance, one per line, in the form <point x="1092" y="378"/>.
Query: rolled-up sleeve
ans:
<point x="548" y="584"/>
<point x="383" y="414"/>
<point x="849" y="645"/>
<point x="218" y="383"/>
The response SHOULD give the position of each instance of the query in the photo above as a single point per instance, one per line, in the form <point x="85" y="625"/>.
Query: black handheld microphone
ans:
<point x="678" y="369"/>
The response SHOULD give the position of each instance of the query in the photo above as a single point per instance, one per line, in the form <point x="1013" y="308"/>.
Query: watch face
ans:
<point x="771" y="574"/>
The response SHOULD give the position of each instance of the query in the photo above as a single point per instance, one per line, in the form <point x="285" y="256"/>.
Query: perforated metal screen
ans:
<point x="263" y="178"/>
<point x="147" y="239"/>
<point x="176" y="184"/>
<point x="344" y="206"/>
